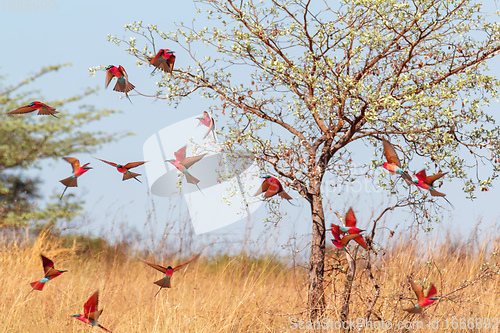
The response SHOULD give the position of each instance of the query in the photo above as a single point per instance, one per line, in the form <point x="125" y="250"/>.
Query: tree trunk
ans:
<point x="351" y="271"/>
<point x="316" y="293"/>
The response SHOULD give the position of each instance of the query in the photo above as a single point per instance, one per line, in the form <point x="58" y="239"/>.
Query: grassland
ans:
<point x="241" y="293"/>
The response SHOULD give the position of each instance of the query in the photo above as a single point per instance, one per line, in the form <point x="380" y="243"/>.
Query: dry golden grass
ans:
<point x="224" y="295"/>
<point x="236" y="294"/>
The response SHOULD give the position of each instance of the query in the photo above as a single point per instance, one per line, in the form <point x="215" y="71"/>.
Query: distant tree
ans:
<point x="302" y="80"/>
<point x="25" y="140"/>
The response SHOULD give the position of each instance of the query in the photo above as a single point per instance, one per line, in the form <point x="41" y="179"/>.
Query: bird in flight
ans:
<point x="168" y="271"/>
<point x="90" y="312"/>
<point x="43" y="109"/>
<point x="122" y="83"/>
<point x="422" y="301"/>
<point x="163" y="60"/>
<point x="182" y="163"/>
<point x="350" y="228"/>
<point x="50" y="273"/>
<point x="393" y="163"/>
<point x="426" y="182"/>
<point x="127" y="174"/>
<point x="339" y="241"/>
<point x="272" y="186"/>
<point x="208" y="121"/>
<point x="77" y="172"/>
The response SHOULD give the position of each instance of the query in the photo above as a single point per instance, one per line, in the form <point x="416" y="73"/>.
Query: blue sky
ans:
<point x="77" y="32"/>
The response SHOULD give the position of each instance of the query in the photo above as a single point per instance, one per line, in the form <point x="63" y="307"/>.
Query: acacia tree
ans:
<point x="27" y="139"/>
<point x="301" y="81"/>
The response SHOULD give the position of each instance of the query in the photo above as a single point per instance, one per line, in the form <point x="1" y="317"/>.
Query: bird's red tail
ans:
<point x="37" y="285"/>
<point x="129" y="175"/>
<point x="70" y="182"/>
<point x="191" y="179"/>
<point x="163" y="283"/>
<point x="125" y="88"/>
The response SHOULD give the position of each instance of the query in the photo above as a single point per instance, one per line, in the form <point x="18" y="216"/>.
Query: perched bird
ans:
<point x="43" y="109"/>
<point x="165" y="281"/>
<point x="163" y="60"/>
<point x="272" y="186"/>
<point x="350" y="228"/>
<point x="393" y="164"/>
<point x="122" y="83"/>
<point x="208" y="121"/>
<point x="77" y="172"/>
<point x="422" y="301"/>
<point x="50" y="273"/>
<point x="127" y="174"/>
<point x="339" y="241"/>
<point x="426" y="182"/>
<point x="182" y="163"/>
<point x="90" y="313"/>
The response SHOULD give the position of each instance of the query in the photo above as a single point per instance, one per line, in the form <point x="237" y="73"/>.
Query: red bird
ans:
<point x="77" y="172"/>
<point x="426" y="182"/>
<point x="43" y="109"/>
<point x="122" y="83"/>
<point x="169" y="271"/>
<point x="393" y="164"/>
<point x="422" y="301"/>
<point x="272" y="186"/>
<point x="350" y="227"/>
<point x="127" y="174"/>
<point x="183" y="163"/>
<point x="208" y="121"/>
<point x="163" y="60"/>
<point x="90" y="313"/>
<point x="50" y="273"/>
<point x="338" y="241"/>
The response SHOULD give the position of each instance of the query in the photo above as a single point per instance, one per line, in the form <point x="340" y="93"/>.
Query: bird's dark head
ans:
<point x="109" y="67"/>
<point x="169" y="267"/>
<point x="75" y="315"/>
<point x="62" y="271"/>
<point x="266" y="177"/>
<point x="170" y="160"/>
<point x="86" y="167"/>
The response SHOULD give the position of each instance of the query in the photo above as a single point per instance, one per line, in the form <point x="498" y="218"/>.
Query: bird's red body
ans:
<point x="164" y="60"/>
<point x="117" y="72"/>
<point x="393" y="168"/>
<point x="272" y="186"/>
<point x="43" y="109"/>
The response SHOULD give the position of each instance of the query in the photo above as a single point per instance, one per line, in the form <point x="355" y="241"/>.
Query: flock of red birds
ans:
<point x="91" y="313"/>
<point x="164" y="60"/>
